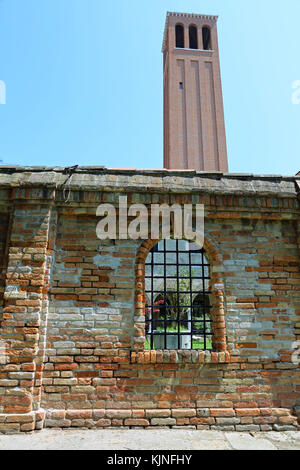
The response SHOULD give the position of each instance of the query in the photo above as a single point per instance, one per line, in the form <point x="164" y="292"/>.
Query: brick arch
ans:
<point x="217" y="296"/>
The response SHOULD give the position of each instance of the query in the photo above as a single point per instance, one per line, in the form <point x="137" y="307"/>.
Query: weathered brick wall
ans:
<point x="4" y="229"/>
<point x="73" y="319"/>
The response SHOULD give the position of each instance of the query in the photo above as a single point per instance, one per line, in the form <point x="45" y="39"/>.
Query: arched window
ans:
<point x="179" y="35"/>
<point x="193" y="34"/>
<point x="206" y="35"/>
<point x="177" y="279"/>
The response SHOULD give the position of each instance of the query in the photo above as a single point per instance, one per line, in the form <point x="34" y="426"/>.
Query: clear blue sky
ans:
<point x="84" y="81"/>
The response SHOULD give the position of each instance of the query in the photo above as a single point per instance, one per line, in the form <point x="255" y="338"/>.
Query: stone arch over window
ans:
<point x="219" y="343"/>
<point x="179" y="33"/>
<point x="193" y="36"/>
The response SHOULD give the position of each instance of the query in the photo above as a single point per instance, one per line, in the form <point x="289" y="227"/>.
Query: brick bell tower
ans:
<point x="194" y="127"/>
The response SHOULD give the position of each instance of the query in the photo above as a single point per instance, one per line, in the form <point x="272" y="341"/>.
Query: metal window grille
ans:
<point x="177" y="279"/>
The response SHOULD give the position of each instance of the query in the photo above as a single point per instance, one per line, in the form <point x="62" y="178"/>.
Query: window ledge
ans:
<point x="179" y="357"/>
<point x="195" y="50"/>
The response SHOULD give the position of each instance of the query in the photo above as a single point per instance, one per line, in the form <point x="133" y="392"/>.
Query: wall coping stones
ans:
<point x="155" y="180"/>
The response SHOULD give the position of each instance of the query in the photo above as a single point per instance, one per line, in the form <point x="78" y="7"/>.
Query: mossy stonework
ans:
<point x="72" y="306"/>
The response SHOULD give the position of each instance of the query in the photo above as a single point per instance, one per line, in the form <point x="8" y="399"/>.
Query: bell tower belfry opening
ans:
<point x="194" y="127"/>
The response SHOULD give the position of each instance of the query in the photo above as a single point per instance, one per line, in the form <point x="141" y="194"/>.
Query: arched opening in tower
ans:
<point x="193" y="33"/>
<point x="179" y="36"/>
<point x="206" y="38"/>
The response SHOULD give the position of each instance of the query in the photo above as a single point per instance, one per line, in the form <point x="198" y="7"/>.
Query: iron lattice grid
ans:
<point x="184" y="309"/>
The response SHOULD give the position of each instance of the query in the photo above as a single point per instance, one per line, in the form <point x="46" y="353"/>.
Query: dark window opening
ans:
<point x="201" y="312"/>
<point x="179" y="36"/>
<point x="193" y="32"/>
<point x="206" y="38"/>
<point x="177" y="313"/>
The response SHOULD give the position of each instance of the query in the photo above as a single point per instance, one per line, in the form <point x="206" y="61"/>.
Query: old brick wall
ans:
<point x="73" y="317"/>
<point x="4" y="230"/>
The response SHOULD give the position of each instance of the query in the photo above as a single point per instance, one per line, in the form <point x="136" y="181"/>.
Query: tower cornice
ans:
<point x="213" y="18"/>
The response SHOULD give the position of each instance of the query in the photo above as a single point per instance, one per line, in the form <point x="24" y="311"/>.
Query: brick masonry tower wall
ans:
<point x="194" y="126"/>
<point x="72" y="317"/>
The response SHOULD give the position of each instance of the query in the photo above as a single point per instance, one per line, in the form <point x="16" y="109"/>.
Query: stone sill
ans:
<point x="179" y="357"/>
<point x="193" y="50"/>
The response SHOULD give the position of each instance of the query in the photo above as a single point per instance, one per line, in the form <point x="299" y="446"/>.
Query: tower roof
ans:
<point x="184" y="15"/>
